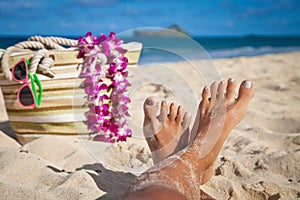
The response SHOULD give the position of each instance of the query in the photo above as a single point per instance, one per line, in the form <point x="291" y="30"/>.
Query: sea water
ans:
<point x="164" y="49"/>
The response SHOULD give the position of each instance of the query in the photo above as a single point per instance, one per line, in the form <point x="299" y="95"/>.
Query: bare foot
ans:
<point x="165" y="132"/>
<point x="220" y="112"/>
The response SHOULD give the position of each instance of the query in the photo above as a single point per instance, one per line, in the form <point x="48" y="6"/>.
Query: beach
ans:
<point x="259" y="160"/>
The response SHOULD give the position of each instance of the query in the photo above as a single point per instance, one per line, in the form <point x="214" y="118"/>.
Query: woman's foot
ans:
<point x="220" y="112"/>
<point x="166" y="133"/>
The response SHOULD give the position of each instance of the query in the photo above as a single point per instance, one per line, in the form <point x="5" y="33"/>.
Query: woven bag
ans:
<point x="61" y="111"/>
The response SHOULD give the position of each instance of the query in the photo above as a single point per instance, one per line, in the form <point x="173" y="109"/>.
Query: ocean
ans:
<point x="163" y="49"/>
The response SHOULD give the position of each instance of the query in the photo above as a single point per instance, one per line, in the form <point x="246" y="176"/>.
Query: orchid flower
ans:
<point x="105" y="71"/>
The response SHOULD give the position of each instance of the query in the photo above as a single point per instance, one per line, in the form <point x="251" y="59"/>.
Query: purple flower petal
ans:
<point x="103" y="86"/>
<point x="108" y="121"/>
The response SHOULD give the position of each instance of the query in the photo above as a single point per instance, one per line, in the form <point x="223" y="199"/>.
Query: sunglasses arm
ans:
<point x="33" y="79"/>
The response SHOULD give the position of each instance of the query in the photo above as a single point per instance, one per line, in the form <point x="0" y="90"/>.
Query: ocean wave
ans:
<point x="249" y="51"/>
<point x="149" y="56"/>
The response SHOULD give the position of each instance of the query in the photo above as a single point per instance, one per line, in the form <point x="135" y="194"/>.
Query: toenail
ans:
<point x="151" y="102"/>
<point x="231" y="80"/>
<point x="247" y="84"/>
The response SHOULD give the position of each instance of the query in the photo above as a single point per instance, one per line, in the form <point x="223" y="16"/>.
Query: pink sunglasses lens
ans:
<point x="26" y="97"/>
<point x="20" y="71"/>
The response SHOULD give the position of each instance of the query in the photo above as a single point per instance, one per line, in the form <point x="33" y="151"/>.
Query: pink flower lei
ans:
<point x="105" y="71"/>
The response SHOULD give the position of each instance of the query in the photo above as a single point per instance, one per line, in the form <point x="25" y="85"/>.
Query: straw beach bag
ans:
<point x="54" y="61"/>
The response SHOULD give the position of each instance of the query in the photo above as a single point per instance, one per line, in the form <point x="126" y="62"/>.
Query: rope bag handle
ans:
<point x="41" y="60"/>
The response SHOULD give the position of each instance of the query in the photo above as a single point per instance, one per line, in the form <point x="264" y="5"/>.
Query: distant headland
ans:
<point x="161" y="32"/>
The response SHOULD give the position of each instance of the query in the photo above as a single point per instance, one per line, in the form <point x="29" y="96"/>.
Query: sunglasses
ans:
<point x="27" y="96"/>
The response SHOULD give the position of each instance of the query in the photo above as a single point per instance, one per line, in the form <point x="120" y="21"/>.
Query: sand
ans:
<point x="260" y="159"/>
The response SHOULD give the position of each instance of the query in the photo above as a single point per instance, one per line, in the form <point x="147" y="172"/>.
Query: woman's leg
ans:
<point x="181" y="174"/>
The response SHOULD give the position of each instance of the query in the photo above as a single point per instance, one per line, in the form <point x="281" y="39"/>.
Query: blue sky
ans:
<point x="197" y="17"/>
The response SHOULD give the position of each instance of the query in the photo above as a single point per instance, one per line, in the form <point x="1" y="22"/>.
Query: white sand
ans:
<point x="260" y="159"/>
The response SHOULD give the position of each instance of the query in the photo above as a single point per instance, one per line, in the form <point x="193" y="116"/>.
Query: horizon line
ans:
<point x="193" y="36"/>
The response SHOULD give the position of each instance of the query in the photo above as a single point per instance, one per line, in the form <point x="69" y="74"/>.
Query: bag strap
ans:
<point x="41" y="61"/>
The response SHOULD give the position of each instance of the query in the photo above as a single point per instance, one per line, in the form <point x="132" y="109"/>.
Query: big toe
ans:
<point x="246" y="93"/>
<point x="150" y="107"/>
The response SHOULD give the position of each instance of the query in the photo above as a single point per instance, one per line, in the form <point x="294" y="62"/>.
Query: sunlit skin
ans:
<point x="163" y="180"/>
